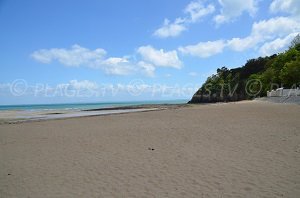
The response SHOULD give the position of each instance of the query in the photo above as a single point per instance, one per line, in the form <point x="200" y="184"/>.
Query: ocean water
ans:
<point x="84" y="106"/>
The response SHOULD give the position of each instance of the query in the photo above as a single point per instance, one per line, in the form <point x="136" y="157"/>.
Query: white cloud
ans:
<point x="76" y="56"/>
<point x="194" y="11"/>
<point x="82" y="85"/>
<point x="4" y="85"/>
<point x="286" y="6"/>
<point x="73" y="88"/>
<point x="242" y="44"/>
<point x="274" y="27"/>
<point x="160" y="57"/>
<point x="93" y="90"/>
<point x="277" y="45"/>
<point x="118" y="66"/>
<point x="231" y="9"/>
<point x="273" y="34"/>
<point x="265" y="30"/>
<point x="204" y="49"/>
<point x="115" y="61"/>
<point x="197" y="10"/>
<point x="170" y="29"/>
<point x="147" y="68"/>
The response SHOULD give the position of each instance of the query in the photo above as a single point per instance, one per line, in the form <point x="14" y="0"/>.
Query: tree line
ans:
<point x="253" y="79"/>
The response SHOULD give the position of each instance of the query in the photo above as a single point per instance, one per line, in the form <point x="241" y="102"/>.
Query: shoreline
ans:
<point x="20" y="116"/>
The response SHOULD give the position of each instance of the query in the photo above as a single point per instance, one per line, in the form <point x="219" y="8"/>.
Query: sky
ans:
<point x="60" y="51"/>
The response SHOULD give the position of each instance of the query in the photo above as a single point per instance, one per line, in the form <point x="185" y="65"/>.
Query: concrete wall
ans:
<point x="280" y="92"/>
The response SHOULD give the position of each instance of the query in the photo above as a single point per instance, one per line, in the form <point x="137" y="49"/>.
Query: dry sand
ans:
<point x="245" y="149"/>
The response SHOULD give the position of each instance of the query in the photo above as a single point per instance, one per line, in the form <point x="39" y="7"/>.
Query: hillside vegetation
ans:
<point x="253" y="79"/>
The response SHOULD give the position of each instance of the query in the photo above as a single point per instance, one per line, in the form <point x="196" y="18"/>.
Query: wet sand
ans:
<point x="17" y="116"/>
<point x="243" y="149"/>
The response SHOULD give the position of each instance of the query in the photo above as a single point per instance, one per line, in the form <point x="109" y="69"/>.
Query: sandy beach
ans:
<point x="242" y="149"/>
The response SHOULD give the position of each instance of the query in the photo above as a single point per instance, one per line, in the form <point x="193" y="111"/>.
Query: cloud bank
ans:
<point x="270" y="36"/>
<point x="78" y="56"/>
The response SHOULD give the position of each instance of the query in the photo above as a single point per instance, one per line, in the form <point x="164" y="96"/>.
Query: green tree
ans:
<point x="290" y="73"/>
<point x="295" y="42"/>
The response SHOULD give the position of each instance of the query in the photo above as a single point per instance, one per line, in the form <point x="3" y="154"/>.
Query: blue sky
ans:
<point x="113" y="50"/>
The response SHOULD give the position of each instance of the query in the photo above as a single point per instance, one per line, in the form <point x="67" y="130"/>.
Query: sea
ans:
<point x="85" y="106"/>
